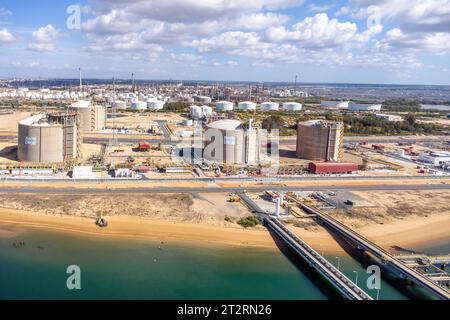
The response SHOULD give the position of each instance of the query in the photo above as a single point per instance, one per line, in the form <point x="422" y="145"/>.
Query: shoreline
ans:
<point x="415" y="231"/>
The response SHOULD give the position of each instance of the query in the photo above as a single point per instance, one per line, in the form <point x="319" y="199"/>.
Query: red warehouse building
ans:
<point x="332" y="167"/>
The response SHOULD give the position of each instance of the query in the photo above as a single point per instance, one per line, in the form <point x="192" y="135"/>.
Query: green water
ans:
<point x="133" y="269"/>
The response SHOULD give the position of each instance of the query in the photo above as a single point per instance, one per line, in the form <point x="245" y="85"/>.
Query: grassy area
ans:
<point x="248" y="222"/>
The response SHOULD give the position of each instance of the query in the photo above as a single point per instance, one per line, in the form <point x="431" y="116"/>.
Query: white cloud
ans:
<point x="438" y="42"/>
<point x="259" y="21"/>
<point x="318" y="31"/>
<point x="6" y="36"/>
<point x="320" y="8"/>
<point x="184" y="57"/>
<point x="44" y="39"/>
<point x="5" y="12"/>
<point x="411" y="15"/>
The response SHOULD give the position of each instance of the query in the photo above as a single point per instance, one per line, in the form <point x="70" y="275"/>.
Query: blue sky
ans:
<point x="358" y="41"/>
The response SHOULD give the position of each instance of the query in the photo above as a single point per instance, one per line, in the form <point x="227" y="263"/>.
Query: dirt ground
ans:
<point x="388" y="206"/>
<point x="9" y="122"/>
<point x="198" y="208"/>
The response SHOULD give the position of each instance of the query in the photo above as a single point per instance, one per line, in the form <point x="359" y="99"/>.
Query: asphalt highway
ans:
<point x="218" y="189"/>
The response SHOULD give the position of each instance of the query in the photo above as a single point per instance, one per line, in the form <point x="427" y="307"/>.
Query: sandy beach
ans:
<point x="408" y="233"/>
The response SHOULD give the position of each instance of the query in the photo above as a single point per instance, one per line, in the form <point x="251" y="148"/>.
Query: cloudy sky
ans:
<point x="353" y="41"/>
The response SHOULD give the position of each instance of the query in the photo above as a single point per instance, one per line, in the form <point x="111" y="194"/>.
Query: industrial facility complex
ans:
<point x="287" y="159"/>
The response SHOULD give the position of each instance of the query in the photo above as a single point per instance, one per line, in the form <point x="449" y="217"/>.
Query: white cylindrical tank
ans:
<point x="91" y="117"/>
<point x="120" y="105"/>
<point x="207" y="111"/>
<point x="139" y="105"/>
<point x="225" y="106"/>
<point x="292" y="106"/>
<point x="364" y="107"/>
<point x="247" y="105"/>
<point x="335" y="104"/>
<point x="155" y="105"/>
<point x="270" y="106"/>
<point x="196" y="112"/>
<point x="203" y="99"/>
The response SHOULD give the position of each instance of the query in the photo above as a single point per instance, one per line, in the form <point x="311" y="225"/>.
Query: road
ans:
<point x="283" y="141"/>
<point x="217" y="189"/>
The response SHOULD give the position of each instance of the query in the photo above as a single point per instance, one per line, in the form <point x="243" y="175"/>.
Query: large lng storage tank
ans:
<point x="231" y="142"/>
<point x="247" y="105"/>
<point x="90" y="117"/>
<point x="48" y="138"/>
<point x="224" y="106"/>
<point x="270" y="106"/>
<point x="319" y="140"/>
<point x="155" y="105"/>
<point x="292" y="106"/>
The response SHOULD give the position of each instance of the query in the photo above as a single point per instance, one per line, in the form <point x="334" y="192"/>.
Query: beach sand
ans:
<point x="406" y="233"/>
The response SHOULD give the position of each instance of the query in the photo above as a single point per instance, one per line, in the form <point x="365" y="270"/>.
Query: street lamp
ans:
<point x="338" y="262"/>
<point x="356" y="280"/>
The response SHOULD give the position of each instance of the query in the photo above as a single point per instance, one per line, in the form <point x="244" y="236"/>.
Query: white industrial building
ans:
<point x="292" y="106"/>
<point x="270" y="106"/>
<point x="83" y="173"/>
<point x="434" y="158"/>
<point x="389" y="117"/>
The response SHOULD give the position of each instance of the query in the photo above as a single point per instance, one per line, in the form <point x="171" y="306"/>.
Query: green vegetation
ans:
<point x="248" y="222"/>
<point x="372" y="125"/>
<point x="273" y="122"/>
<point x="402" y="105"/>
<point x="177" y="107"/>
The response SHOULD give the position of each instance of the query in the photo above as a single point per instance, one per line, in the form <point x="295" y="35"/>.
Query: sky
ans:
<point x="330" y="41"/>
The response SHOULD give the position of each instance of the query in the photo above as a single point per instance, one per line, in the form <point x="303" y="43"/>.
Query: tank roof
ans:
<point x="36" y="120"/>
<point x="226" y="124"/>
<point x="81" y="104"/>
<point x="321" y="123"/>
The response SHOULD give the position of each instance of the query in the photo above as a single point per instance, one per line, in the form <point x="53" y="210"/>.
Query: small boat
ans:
<point x="101" y="222"/>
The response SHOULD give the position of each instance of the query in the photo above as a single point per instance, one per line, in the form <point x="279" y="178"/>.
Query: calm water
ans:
<point x="439" y="107"/>
<point x="130" y="269"/>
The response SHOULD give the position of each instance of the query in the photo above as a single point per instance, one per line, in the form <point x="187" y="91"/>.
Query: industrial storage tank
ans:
<point x="48" y="138"/>
<point x="292" y="106"/>
<point x="203" y="99"/>
<point x="207" y="111"/>
<point x="320" y="140"/>
<point x="90" y="117"/>
<point x="188" y="122"/>
<point x="139" y="105"/>
<point x="247" y="105"/>
<point x="155" y="105"/>
<point x="270" y="106"/>
<point x="335" y="104"/>
<point x="225" y="106"/>
<point x="196" y="112"/>
<point x="120" y="105"/>
<point x="364" y="107"/>
<point x="229" y="141"/>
